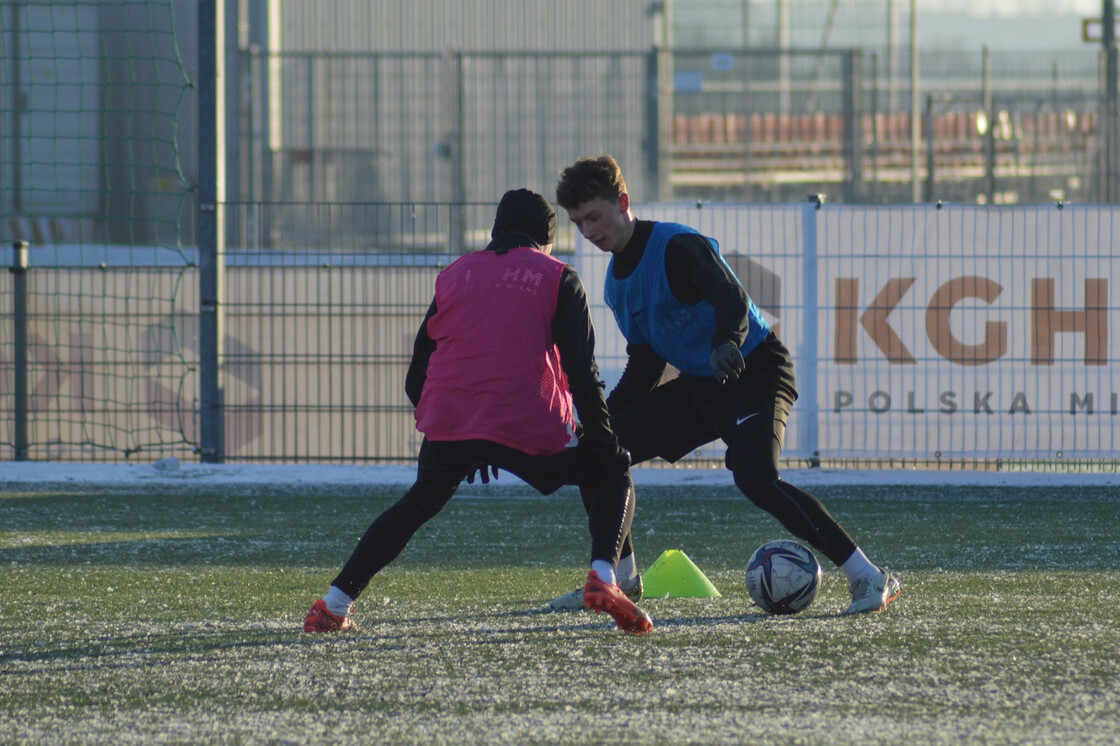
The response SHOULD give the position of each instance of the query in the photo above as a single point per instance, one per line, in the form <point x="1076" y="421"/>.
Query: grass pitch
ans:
<point x="175" y="617"/>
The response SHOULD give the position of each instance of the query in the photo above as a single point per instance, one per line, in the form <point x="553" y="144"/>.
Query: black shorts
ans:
<point x="443" y="464"/>
<point x="687" y="412"/>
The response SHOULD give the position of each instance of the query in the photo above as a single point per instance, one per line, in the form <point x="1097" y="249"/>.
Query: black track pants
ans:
<point x="442" y="466"/>
<point x="750" y="416"/>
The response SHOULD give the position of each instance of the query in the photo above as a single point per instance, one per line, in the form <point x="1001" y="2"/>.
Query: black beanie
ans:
<point x="526" y="212"/>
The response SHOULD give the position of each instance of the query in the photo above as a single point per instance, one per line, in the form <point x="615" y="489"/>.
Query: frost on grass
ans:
<point x="156" y="637"/>
<point x="479" y="672"/>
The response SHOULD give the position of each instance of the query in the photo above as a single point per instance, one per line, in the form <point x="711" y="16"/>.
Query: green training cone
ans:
<point x="676" y="576"/>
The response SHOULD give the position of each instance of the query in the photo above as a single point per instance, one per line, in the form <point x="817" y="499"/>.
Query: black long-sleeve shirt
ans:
<point x="574" y="336"/>
<point x="694" y="273"/>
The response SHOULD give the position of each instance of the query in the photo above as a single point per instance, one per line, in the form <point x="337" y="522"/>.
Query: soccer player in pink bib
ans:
<point x="501" y="366"/>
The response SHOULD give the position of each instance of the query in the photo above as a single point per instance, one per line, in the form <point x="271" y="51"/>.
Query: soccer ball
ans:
<point x="783" y="577"/>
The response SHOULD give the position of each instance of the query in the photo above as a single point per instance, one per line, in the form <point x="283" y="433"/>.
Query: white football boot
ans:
<point x="573" y="600"/>
<point x="873" y="593"/>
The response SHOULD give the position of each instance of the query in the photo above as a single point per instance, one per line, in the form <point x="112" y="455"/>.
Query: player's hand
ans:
<point x="727" y="362"/>
<point x="600" y="460"/>
<point x="482" y="470"/>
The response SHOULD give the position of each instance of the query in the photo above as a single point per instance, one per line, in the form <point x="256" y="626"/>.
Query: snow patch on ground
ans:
<point x="14" y="474"/>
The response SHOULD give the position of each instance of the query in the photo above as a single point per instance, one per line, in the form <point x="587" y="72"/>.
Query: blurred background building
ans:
<point x="358" y="103"/>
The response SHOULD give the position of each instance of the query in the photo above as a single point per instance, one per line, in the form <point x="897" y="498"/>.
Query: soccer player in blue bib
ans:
<point x="678" y="303"/>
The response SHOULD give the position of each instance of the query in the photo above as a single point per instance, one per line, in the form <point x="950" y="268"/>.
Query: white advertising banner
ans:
<point x="968" y="331"/>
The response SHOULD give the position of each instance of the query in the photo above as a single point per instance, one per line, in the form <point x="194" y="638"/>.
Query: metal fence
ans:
<point x="285" y="301"/>
<point x="950" y="336"/>
<point x="713" y="125"/>
<point x="454" y="127"/>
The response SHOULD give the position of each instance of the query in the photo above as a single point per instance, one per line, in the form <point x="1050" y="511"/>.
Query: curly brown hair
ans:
<point x="590" y="178"/>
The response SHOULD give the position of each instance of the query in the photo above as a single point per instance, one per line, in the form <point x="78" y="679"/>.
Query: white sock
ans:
<point x="338" y="603"/>
<point x="627" y="570"/>
<point x="858" y="566"/>
<point x="604" y="570"/>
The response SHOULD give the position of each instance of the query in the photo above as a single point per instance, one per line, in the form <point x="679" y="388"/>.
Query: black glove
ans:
<point x="599" y="461"/>
<point x="727" y="362"/>
<point x="483" y="470"/>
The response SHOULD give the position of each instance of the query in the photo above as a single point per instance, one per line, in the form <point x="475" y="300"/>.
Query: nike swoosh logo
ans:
<point x="741" y="420"/>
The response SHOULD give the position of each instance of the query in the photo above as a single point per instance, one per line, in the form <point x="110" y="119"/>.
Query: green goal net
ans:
<point x="97" y="118"/>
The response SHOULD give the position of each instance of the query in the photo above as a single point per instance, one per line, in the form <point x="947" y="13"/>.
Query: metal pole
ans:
<point x="783" y="57"/>
<point x="990" y="133"/>
<point x="653" y="123"/>
<point x="892" y="52"/>
<point x="19" y="337"/>
<point x="746" y="24"/>
<point x="853" y="117"/>
<point x="454" y="96"/>
<point x="664" y="64"/>
<point x="915" y="109"/>
<point x="929" y="195"/>
<point x="873" y="187"/>
<point x="809" y="422"/>
<point x="211" y="259"/>
<point x="1108" y="42"/>
<point x="18" y="102"/>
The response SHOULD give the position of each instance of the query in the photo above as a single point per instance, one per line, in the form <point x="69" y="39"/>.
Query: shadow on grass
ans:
<point x="141" y="649"/>
<point x="567" y="621"/>
<point x="152" y="643"/>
